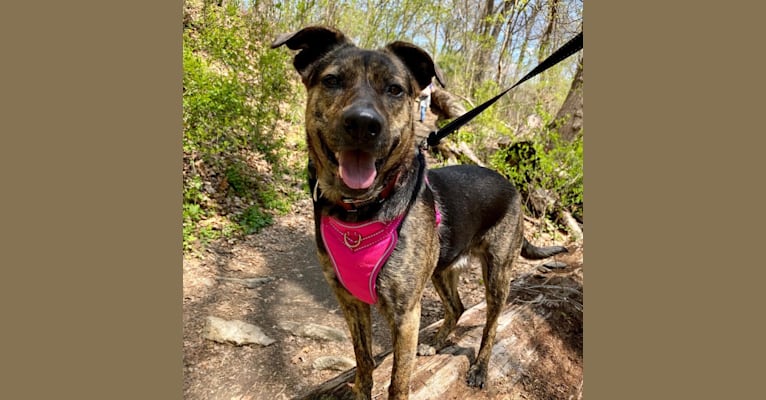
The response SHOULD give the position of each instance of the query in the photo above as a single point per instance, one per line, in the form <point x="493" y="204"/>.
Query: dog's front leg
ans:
<point x="404" y="328"/>
<point x="357" y="315"/>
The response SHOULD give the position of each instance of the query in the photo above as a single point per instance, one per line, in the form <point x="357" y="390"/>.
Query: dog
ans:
<point x="384" y="224"/>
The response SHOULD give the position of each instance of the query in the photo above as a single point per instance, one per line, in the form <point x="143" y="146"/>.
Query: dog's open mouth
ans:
<point x="356" y="168"/>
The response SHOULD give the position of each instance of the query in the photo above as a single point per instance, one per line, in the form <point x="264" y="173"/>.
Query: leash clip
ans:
<point x="431" y="141"/>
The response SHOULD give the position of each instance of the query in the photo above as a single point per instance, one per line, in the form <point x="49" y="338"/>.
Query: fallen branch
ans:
<point x="449" y="150"/>
<point x="572" y="225"/>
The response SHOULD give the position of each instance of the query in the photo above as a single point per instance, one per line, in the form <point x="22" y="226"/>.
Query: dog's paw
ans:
<point x="353" y="394"/>
<point x="426" y="350"/>
<point x="477" y="376"/>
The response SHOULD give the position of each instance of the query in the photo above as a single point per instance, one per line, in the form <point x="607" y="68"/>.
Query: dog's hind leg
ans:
<point x="497" y="281"/>
<point x="445" y="283"/>
<point x="499" y="249"/>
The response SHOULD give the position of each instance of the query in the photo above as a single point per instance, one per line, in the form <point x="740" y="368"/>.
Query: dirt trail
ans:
<point x="297" y="292"/>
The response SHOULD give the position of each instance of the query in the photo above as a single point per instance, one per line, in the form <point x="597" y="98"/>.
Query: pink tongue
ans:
<point x="357" y="169"/>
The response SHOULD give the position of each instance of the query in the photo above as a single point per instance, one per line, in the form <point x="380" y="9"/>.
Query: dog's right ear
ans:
<point x="313" y="43"/>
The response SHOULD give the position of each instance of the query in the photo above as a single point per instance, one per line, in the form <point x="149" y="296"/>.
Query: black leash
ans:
<point x="569" y="48"/>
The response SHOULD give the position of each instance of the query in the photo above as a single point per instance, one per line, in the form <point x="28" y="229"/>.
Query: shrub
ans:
<point x="252" y="220"/>
<point x="235" y="89"/>
<point x="552" y="165"/>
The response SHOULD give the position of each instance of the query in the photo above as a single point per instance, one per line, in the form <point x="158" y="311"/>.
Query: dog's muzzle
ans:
<point x="362" y="127"/>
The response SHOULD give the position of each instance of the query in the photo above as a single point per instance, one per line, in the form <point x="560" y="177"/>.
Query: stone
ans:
<point x="235" y="332"/>
<point x="313" y="331"/>
<point x="335" y="363"/>
<point x="555" y="265"/>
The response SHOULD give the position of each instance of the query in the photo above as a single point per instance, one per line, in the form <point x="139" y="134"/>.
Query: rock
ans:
<point x="333" y="362"/>
<point x="208" y="188"/>
<point x="235" y="331"/>
<point x="426" y="350"/>
<point x="313" y="331"/>
<point x="555" y="265"/>
<point x="207" y="282"/>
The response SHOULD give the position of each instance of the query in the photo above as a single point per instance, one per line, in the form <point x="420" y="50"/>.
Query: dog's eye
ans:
<point x="395" y="90"/>
<point x="331" y="81"/>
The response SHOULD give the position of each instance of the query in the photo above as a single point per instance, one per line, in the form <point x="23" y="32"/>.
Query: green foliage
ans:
<point x="253" y="219"/>
<point x="491" y="124"/>
<point x="243" y="143"/>
<point x="193" y="213"/>
<point x="214" y="107"/>
<point x="556" y="167"/>
<point x="235" y="91"/>
<point x="239" y="180"/>
<point x="233" y="83"/>
<point x="273" y="200"/>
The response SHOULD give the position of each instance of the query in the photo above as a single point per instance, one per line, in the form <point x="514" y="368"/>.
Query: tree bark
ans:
<point x="547" y="36"/>
<point x="569" y="118"/>
<point x="530" y="23"/>
<point x="491" y="23"/>
<point x="572" y="225"/>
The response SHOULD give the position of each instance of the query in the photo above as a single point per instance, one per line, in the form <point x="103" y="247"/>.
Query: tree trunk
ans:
<point x="569" y="118"/>
<point x="491" y="24"/>
<point x="547" y="36"/>
<point x="510" y="23"/>
<point x="530" y="23"/>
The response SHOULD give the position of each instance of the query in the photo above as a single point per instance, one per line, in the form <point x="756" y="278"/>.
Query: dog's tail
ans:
<point x="532" y="252"/>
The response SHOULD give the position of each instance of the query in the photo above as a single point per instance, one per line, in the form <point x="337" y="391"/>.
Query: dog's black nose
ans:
<point x="362" y="122"/>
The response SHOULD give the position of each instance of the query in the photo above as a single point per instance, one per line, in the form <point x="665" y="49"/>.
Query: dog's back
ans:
<point x="471" y="199"/>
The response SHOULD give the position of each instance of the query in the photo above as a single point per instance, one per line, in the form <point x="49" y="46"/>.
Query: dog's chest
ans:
<point x="358" y="251"/>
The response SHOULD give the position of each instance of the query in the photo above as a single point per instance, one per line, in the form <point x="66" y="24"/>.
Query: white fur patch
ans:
<point x="461" y="263"/>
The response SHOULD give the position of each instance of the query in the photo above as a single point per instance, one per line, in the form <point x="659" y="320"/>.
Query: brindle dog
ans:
<point x="365" y="165"/>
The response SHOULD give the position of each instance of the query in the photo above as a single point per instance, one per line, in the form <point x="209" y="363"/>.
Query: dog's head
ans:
<point x="360" y="110"/>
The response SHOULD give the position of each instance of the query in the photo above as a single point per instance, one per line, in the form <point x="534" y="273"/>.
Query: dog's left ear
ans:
<point x="420" y="64"/>
<point x="313" y="42"/>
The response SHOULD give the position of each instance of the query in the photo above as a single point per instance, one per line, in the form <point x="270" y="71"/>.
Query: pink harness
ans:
<point x="359" y="250"/>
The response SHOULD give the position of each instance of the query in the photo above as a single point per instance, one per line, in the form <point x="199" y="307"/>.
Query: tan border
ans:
<point x="91" y="185"/>
<point x="90" y="171"/>
<point x="669" y="178"/>
<point x="616" y="138"/>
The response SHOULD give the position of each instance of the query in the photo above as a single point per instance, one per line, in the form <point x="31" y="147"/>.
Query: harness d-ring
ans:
<point x="354" y="244"/>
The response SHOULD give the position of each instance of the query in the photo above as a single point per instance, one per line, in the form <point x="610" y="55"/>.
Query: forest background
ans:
<point x="244" y="146"/>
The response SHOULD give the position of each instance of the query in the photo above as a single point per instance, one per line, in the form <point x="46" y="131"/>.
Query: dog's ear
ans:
<point x="313" y="43"/>
<point x="420" y="64"/>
